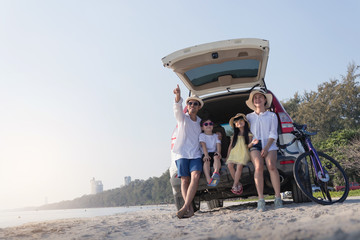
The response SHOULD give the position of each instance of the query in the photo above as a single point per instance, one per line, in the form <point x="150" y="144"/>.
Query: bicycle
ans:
<point x="317" y="171"/>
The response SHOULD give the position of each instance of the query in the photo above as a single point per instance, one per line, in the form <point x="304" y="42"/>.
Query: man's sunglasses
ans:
<point x="209" y="123"/>
<point x="193" y="103"/>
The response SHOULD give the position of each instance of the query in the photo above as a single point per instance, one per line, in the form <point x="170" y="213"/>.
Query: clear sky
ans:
<point x="83" y="92"/>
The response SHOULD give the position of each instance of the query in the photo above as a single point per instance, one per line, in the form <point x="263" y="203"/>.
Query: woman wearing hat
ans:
<point x="187" y="149"/>
<point x="264" y="128"/>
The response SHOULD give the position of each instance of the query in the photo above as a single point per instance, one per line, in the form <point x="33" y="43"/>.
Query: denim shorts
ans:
<point x="185" y="166"/>
<point x="257" y="147"/>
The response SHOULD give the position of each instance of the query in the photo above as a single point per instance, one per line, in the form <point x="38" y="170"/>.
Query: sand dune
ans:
<point x="234" y="221"/>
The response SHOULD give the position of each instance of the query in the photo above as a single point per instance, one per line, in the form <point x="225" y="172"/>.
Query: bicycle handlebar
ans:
<point x="302" y="129"/>
<point x="299" y="133"/>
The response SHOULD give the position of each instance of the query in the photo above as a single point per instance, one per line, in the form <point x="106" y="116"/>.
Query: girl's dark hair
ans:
<point x="236" y="133"/>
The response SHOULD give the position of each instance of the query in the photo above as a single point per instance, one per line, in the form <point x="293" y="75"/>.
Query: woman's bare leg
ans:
<point x="258" y="162"/>
<point x="270" y="161"/>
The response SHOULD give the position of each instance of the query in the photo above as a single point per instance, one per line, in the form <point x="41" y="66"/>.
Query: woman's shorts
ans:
<point x="185" y="166"/>
<point x="257" y="147"/>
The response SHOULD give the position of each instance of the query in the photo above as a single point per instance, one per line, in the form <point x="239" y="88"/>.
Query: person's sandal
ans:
<point x="240" y="189"/>
<point x="234" y="190"/>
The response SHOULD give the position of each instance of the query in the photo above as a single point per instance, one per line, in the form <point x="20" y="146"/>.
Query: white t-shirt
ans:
<point x="264" y="126"/>
<point x="210" y="141"/>
<point x="187" y="137"/>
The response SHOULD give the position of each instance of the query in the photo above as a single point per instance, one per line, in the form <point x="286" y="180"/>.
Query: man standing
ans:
<point x="187" y="149"/>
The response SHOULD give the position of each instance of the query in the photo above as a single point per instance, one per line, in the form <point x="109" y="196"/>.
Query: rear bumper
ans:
<point x="223" y="189"/>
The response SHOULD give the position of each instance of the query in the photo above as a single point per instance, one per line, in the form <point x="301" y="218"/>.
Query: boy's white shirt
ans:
<point x="264" y="126"/>
<point x="187" y="143"/>
<point x="210" y="140"/>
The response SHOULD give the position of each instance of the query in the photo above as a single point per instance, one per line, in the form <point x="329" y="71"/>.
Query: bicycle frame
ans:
<point x="320" y="173"/>
<point x="304" y="137"/>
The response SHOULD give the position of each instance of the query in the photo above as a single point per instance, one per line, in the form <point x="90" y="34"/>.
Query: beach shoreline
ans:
<point x="236" y="220"/>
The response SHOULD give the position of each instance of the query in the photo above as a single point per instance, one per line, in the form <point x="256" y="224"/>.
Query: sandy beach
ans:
<point x="233" y="221"/>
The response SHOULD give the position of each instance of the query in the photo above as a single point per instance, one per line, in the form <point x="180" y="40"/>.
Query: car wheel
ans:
<point x="196" y="203"/>
<point x="215" y="203"/>
<point x="297" y="194"/>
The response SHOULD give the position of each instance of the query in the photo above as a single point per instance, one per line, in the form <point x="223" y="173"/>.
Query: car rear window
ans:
<point x="228" y="129"/>
<point x="210" y="73"/>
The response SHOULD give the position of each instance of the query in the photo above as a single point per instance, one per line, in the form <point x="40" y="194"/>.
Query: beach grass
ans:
<point x="352" y="193"/>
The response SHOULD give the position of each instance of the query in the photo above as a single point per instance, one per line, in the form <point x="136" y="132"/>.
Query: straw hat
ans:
<point x="250" y="102"/>
<point x="238" y="115"/>
<point x="196" y="98"/>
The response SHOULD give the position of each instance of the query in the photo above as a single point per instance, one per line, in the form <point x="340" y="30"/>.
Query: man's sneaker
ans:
<point x="278" y="203"/>
<point x="261" y="205"/>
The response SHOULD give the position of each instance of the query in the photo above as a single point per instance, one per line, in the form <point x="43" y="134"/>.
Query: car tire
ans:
<point x="215" y="203"/>
<point x="297" y="195"/>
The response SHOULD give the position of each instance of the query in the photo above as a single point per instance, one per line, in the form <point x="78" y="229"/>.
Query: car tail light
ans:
<point x="173" y="137"/>
<point x="287" y="162"/>
<point x="285" y="122"/>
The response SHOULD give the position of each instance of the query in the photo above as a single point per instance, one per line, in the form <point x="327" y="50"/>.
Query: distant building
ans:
<point x="96" y="186"/>
<point x="127" y="180"/>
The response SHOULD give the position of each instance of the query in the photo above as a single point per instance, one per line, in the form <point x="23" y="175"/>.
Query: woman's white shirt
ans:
<point x="264" y="126"/>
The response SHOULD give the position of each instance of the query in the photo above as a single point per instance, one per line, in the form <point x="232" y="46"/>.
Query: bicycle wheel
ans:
<point x="321" y="189"/>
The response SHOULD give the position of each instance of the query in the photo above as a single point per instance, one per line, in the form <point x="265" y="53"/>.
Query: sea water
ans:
<point x="11" y="218"/>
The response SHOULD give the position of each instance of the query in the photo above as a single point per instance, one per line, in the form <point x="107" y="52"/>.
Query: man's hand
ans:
<point x="177" y="93"/>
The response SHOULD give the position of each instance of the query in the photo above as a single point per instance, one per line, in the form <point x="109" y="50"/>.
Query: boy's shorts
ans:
<point x="211" y="155"/>
<point x="257" y="147"/>
<point x="185" y="166"/>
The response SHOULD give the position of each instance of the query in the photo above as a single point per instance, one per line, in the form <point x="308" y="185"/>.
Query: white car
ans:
<point x="223" y="74"/>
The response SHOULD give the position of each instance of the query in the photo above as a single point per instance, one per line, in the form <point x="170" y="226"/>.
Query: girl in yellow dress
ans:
<point x="238" y="153"/>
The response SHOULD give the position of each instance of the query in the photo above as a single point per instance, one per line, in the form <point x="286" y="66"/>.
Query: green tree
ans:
<point x="350" y="162"/>
<point x="344" y="146"/>
<point x="292" y="105"/>
<point x="336" y="105"/>
<point x="155" y="190"/>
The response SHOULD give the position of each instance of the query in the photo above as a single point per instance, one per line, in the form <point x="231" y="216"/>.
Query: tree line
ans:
<point x="155" y="190"/>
